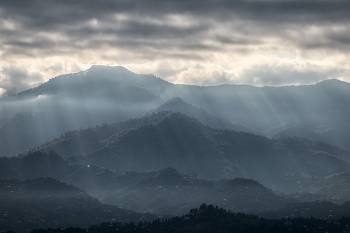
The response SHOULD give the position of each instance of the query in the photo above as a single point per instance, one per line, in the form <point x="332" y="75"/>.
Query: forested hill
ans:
<point x="169" y="191"/>
<point x="193" y="148"/>
<point x="46" y="202"/>
<point x="210" y="218"/>
<point x="164" y="191"/>
<point x="72" y="101"/>
<point x="178" y="105"/>
<point x="167" y="139"/>
<point x="109" y="94"/>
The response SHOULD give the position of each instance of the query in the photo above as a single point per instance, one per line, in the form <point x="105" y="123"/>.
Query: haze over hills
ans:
<point x="167" y="139"/>
<point x="110" y="94"/>
<point x="145" y="144"/>
<point x="46" y="202"/>
<point x="178" y="105"/>
<point x="165" y="192"/>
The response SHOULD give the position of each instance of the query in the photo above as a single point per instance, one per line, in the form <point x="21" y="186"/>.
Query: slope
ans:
<point x="178" y="105"/>
<point x="46" y="202"/>
<point x="71" y="101"/>
<point x="169" y="192"/>
<point x="189" y="146"/>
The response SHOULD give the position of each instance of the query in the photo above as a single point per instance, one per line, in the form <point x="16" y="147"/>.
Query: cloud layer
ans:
<point x="258" y="42"/>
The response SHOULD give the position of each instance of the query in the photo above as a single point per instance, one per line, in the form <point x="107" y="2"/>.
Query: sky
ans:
<point x="204" y="42"/>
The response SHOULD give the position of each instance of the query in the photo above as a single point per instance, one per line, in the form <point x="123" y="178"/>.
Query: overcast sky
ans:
<point x="204" y="42"/>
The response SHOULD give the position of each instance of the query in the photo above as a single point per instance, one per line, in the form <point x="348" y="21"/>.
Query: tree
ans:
<point x="203" y="206"/>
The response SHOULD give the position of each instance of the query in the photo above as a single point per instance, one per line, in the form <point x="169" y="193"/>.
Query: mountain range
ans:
<point x="141" y="143"/>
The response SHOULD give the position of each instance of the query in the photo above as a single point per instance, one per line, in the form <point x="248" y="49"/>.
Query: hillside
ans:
<point x="178" y="105"/>
<point x="104" y="94"/>
<point x="326" y="134"/>
<point x="98" y="95"/>
<point x="163" y="192"/>
<point x="189" y="146"/>
<point x="167" y="139"/>
<point x="210" y="218"/>
<point x="170" y="192"/>
<point x="46" y="202"/>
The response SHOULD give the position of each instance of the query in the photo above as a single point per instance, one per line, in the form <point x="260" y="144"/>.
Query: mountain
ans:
<point x="189" y="146"/>
<point x="109" y="94"/>
<point x="167" y="139"/>
<point x="87" y="140"/>
<point x="105" y="94"/>
<point x="46" y="202"/>
<point x="169" y="192"/>
<point x="261" y="108"/>
<point x="336" y="187"/>
<point x="178" y="105"/>
<point x="326" y="134"/>
<point x="98" y="82"/>
<point x="98" y="95"/>
<point x="83" y="141"/>
<point x="165" y="191"/>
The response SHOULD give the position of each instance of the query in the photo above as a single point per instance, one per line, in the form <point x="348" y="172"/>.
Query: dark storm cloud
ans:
<point x="68" y="17"/>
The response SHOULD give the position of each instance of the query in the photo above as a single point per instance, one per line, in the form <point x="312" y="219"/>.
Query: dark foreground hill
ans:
<point x="163" y="192"/>
<point x="46" y="202"/>
<point x="167" y="190"/>
<point x="212" y="219"/>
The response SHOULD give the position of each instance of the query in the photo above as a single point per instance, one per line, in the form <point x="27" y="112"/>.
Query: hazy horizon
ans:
<point x="5" y="94"/>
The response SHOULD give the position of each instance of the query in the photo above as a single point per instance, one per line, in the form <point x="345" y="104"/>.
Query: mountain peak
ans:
<point x="100" y="68"/>
<point x="169" y="172"/>
<point x="177" y="100"/>
<point x="177" y="104"/>
<point x="332" y="82"/>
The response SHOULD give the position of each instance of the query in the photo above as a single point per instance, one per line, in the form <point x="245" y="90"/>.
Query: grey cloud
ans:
<point x="50" y="13"/>
<point x="284" y="75"/>
<point x="146" y="31"/>
<point x="244" y="23"/>
<point x="53" y="15"/>
<point x="330" y="39"/>
<point x="137" y="29"/>
<point x="15" y="79"/>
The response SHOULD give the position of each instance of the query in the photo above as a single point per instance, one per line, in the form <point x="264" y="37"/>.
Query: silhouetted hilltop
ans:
<point x="210" y="218"/>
